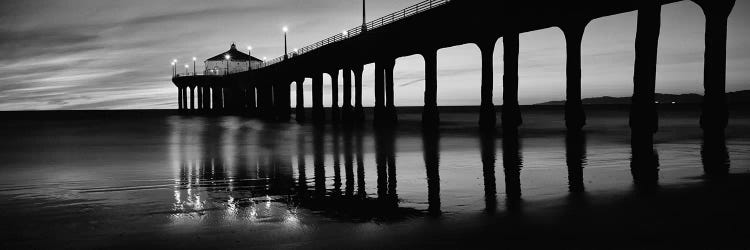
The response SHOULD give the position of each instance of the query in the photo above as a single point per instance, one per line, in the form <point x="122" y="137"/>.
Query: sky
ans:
<point x="114" y="54"/>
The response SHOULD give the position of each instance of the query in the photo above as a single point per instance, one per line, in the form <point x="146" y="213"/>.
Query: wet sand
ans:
<point x="155" y="179"/>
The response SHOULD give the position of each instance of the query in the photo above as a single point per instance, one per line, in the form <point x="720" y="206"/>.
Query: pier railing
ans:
<point x="356" y="31"/>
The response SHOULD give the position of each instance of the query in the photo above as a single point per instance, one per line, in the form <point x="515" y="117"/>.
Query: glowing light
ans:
<point x="249" y="47"/>
<point x="285" y="29"/>
<point x="227" y="56"/>
<point x="264" y="58"/>
<point x="195" y="58"/>
<point x="187" y="66"/>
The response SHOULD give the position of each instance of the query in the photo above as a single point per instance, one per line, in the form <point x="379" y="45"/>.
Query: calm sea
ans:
<point x="145" y="178"/>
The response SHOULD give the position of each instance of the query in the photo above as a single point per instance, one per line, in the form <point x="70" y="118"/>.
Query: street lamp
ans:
<point x="173" y="69"/>
<point x="186" y="69"/>
<point x="249" y="58"/>
<point x="227" y="57"/>
<point x="364" y="18"/>
<point x="194" y="64"/>
<point x="286" y="30"/>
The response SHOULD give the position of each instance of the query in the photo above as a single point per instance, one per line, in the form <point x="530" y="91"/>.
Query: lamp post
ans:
<point x="364" y="18"/>
<point x="227" y="57"/>
<point x="173" y="69"/>
<point x="249" y="58"/>
<point x="186" y="69"/>
<point x="286" y="30"/>
<point x="194" y="65"/>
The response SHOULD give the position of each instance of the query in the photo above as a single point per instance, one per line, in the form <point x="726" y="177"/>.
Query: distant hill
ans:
<point x="732" y="97"/>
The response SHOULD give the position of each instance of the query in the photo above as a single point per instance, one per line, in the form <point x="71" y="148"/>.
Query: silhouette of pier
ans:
<point x="423" y="29"/>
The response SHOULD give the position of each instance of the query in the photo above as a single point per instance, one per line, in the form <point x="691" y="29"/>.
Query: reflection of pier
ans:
<point x="238" y="167"/>
<point x="431" y="25"/>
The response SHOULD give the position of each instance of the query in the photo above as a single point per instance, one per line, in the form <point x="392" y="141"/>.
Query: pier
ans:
<point x="425" y="28"/>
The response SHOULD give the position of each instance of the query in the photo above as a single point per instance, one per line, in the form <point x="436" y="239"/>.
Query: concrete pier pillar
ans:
<point x="487" y="115"/>
<point x="179" y="98"/>
<point x="285" y="103"/>
<point x="271" y="101"/>
<point x="430" y="113"/>
<point x="261" y="100"/>
<point x="300" y="94"/>
<point x="715" y="114"/>
<point x="575" y="117"/>
<point x="207" y="97"/>
<point x="335" y="112"/>
<point x="184" y="98"/>
<point x="192" y="97"/>
<point x="390" y="107"/>
<point x="643" y="114"/>
<point x="511" y="112"/>
<point x="265" y="94"/>
<point x="379" y="92"/>
<point x="252" y="103"/>
<point x="318" y="113"/>
<point x="217" y="98"/>
<point x="359" y="113"/>
<point x="346" y="108"/>
<point x="199" y="92"/>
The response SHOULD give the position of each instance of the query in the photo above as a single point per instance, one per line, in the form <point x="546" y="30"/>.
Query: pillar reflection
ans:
<point x="512" y="164"/>
<point x="714" y="155"/>
<point x="575" y="157"/>
<point x="488" y="150"/>
<point x="431" y="148"/>
<point x="644" y="163"/>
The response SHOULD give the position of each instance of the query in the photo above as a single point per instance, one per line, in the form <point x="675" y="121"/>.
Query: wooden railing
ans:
<point x="356" y="31"/>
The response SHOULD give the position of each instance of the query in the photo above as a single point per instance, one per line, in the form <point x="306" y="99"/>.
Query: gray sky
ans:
<point x="110" y="54"/>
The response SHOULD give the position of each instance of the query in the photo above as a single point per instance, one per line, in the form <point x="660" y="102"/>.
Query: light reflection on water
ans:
<point x="202" y="172"/>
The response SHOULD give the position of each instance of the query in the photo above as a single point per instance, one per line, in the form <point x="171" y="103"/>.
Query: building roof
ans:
<point x="235" y="54"/>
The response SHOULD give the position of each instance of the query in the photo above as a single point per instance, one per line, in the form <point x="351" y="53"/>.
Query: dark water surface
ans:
<point x="232" y="182"/>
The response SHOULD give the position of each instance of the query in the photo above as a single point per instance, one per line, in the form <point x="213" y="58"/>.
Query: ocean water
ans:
<point x="171" y="181"/>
